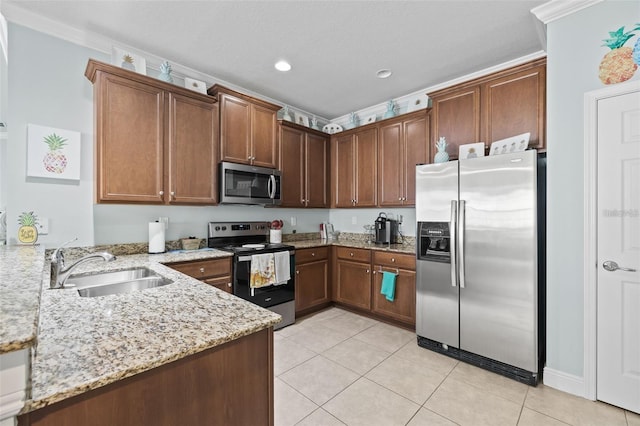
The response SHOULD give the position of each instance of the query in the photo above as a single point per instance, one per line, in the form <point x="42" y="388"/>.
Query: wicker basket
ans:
<point x="190" y="243"/>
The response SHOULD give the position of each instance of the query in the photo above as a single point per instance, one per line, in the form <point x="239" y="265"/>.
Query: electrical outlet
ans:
<point x="293" y="221"/>
<point x="164" y="220"/>
<point x="43" y="226"/>
<point x="354" y="220"/>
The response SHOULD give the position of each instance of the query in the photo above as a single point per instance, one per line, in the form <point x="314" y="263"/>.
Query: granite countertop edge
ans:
<point x="396" y="248"/>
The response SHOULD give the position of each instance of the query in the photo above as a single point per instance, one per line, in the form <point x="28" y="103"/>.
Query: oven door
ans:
<point x="262" y="296"/>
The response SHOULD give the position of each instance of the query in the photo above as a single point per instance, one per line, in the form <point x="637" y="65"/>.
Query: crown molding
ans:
<point x="556" y="9"/>
<point x="91" y="40"/>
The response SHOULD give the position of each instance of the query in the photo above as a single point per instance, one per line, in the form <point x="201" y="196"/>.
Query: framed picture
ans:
<point x="417" y="102"/>
<point x="370" y="119"/>
<point x="302" y="120"/>
<point x="196" y="85"/>
<point x="471" y="150"/>
<point x="53" y="153"/>
<point x="513" y="144"/>
<point x="128" y="60"/>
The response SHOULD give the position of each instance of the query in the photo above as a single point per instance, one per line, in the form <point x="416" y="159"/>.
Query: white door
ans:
<point x="618" y="251"/>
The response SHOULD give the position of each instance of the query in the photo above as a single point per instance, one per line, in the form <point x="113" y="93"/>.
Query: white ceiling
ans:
<point x="335" y="47"/>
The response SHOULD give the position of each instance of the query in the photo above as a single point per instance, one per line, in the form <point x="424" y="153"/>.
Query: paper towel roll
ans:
<point x="156" y="237"/>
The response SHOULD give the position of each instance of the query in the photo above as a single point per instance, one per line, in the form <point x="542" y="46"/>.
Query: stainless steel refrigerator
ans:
<point x="480" y="262"/>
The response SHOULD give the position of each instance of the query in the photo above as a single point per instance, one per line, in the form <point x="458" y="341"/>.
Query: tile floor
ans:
<point x="339" y="368"/>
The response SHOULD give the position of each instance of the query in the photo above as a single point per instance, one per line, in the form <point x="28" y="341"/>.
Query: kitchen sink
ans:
<point x="116" y="282"/>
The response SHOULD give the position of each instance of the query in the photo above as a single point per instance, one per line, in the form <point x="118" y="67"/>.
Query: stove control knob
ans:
<point x="224" y="228"/>
<point x="217" y="228"/>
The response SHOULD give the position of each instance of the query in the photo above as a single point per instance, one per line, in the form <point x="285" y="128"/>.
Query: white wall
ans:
<point x="574" y="54"/>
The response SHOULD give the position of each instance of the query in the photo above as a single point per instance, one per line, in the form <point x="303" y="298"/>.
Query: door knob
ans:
<point x="610" y="265"/>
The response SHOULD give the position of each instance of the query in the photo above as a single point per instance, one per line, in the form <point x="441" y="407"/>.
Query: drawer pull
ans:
<point x="228" y="284"/>
<point x="313" y="254"/>
<point x="393" y="260"/>
<point x="351" y="254"/>
<point x="297" y="272"/>
<point x="202" y="270"/>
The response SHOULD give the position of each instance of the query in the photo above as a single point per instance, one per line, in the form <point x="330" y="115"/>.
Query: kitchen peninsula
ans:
<point x="184" y="353"/>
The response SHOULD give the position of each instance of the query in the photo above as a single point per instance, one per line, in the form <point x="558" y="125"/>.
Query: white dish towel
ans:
<point x="283" y="272"/>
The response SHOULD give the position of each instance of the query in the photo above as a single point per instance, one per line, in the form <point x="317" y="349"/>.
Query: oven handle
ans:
<point x="248" y="258"/>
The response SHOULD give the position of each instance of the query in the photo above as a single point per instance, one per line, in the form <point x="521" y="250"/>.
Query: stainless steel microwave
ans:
<point x="243" y="184"/>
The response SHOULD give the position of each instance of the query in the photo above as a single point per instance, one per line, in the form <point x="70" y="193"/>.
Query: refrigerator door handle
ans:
<point x="461" y="227"/>
<point x="452" y="242"/>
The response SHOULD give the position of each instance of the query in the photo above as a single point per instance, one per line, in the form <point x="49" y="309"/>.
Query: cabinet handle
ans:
<point x="374" y="272"/>
<point x="367" y="271"/>
<point x="313" y="254"/>
<point x="351" y="254"/>
<point x="297" y="272"/>
<point x="173" y="194"/>
<point x="393" y="260"/>
<point x="228" y="284"/>
<point x="161" y="193"/>
<point x="202" y="270"/>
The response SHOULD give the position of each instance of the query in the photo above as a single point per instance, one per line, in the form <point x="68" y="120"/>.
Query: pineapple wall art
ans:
<point x="27" y="232"/>
<point x="621" y="62"/>
<point x="53" y="153"/>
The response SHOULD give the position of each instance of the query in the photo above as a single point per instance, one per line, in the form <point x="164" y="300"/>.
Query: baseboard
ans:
<point x="564" y="382"/>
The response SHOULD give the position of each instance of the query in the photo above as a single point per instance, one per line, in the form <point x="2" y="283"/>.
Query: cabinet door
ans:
<point x="416" y="151"/>
<point x="403" y="307"/>
<point x="263" y="137"/>
<point x="312" y="285"/>
<point x="235" y="140"/>
<point x="130" y="140"/>
<point x="515" y="104"/>
<point x="391" y="165"/>
<point x="316" y="171"/>
<point x="456" y="116"/>
<point x="343" y="181"/>
<point x="291" y="167"/>
<point x="192" y="151"/>
<point x="353" y="284"/>
<point x="366" y="165"/>
<point x="221" y="283"/>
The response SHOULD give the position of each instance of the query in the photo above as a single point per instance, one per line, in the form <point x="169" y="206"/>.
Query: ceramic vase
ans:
<point x="314" y="123"/>
<point x="165" y="72"/>
<point x="391" y="110"/>
<point x="285" y="114"/>
<point x="441" y="156"/>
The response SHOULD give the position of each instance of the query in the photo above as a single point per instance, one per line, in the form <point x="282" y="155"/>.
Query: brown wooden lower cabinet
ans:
<point x="358" y="281"/>
<point x="313" y="290"/>
<point x="215" y="272"/>
<point x="231" y="384"/>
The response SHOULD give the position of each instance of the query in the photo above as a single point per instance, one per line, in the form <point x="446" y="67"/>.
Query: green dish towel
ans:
<point x="388" y="285"/>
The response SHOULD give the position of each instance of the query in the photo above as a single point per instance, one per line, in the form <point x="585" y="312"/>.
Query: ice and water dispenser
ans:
<point x="434" y="242"/>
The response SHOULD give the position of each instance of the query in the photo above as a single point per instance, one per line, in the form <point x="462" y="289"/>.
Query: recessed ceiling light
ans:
<point x="283" y="66"/>
<point x="384" y="73"/>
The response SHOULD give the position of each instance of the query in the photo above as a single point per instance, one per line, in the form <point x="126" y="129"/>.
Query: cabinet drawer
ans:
<point x="204" y="268"/>
<point x="394" y="260"/>
<point x="357" y="255"/>
<point x="311" y="254"/>
<point x="222" y="283"/>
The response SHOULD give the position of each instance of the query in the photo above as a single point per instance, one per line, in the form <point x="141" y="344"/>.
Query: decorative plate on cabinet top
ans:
<point x="417" y="102"/>
<point x="332" y="128"/>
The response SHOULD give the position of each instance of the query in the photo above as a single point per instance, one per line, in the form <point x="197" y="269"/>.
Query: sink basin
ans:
<point x="116" y="282"/>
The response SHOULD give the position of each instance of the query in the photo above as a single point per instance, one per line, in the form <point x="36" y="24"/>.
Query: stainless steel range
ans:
<point x="248" y="241"/>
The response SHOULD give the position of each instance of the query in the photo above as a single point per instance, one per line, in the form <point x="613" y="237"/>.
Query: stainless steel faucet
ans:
<point x="59" y="273"/>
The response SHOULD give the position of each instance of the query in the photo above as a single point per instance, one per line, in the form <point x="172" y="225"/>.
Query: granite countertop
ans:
<point x="87" y="342"/>
<point x="20" y="279"/>
<point x="399" y="248"/>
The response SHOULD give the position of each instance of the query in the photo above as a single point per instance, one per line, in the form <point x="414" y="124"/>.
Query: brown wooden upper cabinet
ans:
<point x="248" y="128"/>
<point x="354" y="167"/>
<point x="490" y="108"/>
<point x="304" y="164"/>
<point x="156" y="143"/>
<point x="403" y="144"/>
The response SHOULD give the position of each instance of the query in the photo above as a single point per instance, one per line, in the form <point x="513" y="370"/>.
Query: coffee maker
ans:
<point x="386" y="230"/>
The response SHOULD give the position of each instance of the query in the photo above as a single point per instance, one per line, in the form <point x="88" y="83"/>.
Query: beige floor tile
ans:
<point x="467" y="405"/>
<point x="386" y="337"/>
<point x="406" y="378"/>
<point x="320" y="418"/>
<point x="426" y="358"/>
<point x="367" y="403"/>
<point x="319" y="379"/>
<point x="292" y="329"/>
<point x="356" y="355"/>
<point x="289" y="405"/>
<point x="633" y="419"/>
<point x="490" y="382"/>
<point x="529" y="417"/>
<point x="573" y="409"/>
<point x="324" y="314"/>
<point x="319" y="338"/>
<point x="426" y="417"/>
<point x="288" y="354"/>
<point x="349" y="323"/>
